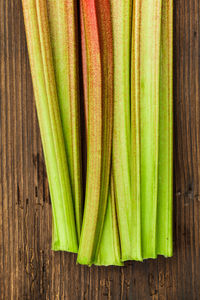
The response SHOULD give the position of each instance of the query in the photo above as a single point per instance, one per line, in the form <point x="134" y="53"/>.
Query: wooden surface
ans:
<point x="28" y="268"/>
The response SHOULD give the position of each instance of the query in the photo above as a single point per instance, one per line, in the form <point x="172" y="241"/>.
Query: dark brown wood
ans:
<point x="28" y="268"/>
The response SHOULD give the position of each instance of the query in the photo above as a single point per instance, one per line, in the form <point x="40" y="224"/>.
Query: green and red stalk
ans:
<point x="84" y="66"/>
<point x="150" y="24"/>
<point x="134" y="217"/>
<point x="121" y="23"/>
<point x="99" y="57"/>
<point x="41" y="62"/>
<point x="109" y="249"/>
<point x="64" y="41"/>
<point x="165" y="169"/>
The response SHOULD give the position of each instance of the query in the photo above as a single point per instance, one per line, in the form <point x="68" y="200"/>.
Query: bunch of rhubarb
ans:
<point x="110" y="175"/>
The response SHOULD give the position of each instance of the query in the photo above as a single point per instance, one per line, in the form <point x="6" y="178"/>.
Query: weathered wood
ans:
<point x="28" y="268"/>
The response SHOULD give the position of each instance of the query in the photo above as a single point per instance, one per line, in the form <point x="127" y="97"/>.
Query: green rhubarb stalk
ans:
<point x="41" y="62"/>
<point x="150" y="23"/>
<point x="98" y="41"/>
<point x="109" y="250"/>
<point x="63" y="32"/>
<point x="165" y="169"/>
<point x="121" y="23"/>
<point x="134" y="217"/>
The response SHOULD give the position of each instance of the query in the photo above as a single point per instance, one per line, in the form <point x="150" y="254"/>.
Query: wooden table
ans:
<point x="28" y="268"/>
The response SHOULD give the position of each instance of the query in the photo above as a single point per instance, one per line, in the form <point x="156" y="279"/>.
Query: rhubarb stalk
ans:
<point x="121" y="24"/>
<point x="165" y="190"/>
<point x="99" y="60"/>
<point x="63" y="32"/>
<point x="134" y="217"/>
<point x="109" y="250"/>
<point x="149" y="27"/>
<point x="41" y="62"/>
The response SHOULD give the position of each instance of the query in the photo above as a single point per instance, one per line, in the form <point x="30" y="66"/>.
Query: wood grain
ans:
<point x="28" y="268"/>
